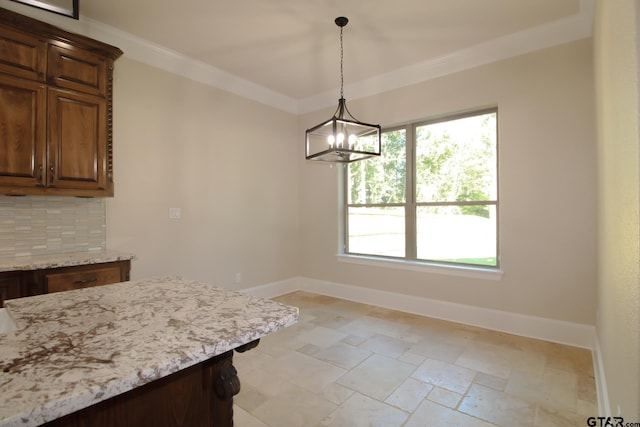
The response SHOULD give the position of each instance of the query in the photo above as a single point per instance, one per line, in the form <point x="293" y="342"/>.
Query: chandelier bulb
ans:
<point x="331" y="140"/>
<point x="352" y="140"/>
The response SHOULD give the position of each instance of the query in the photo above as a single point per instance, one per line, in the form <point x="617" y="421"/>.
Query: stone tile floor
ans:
<point x="349" y="364"/>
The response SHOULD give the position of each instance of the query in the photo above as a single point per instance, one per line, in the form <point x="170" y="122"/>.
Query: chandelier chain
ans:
<point x="341" y="69"/>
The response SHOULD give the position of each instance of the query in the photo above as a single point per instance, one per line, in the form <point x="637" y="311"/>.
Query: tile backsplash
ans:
<point x="45" y="225"/>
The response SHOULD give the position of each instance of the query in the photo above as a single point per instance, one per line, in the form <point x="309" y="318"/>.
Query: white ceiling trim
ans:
<point x="174" y="62"/>
<point x="554" y="33"/>
<point x="160" y="57"/>
<point x="562" y="31"/>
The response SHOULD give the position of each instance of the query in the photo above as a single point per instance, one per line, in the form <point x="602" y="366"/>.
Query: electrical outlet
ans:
<point x="238" y="277"/>
<point x="175" y="213"/>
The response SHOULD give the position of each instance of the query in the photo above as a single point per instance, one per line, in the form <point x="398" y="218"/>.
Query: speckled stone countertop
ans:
<point x="74" y="349"/>
<point x="38" y="262"/>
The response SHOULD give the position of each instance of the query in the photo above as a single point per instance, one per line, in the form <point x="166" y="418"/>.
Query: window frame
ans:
<point x="411" y="206"/>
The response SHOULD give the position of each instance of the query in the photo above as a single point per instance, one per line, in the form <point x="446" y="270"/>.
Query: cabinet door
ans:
<point x="22" y="134"/>
<point x="77" y="69"/>
<point x="22" y="55"/>
<point x="10" y="286"/>
<point x="68" y="281"/>
<point x="77" y="141"/>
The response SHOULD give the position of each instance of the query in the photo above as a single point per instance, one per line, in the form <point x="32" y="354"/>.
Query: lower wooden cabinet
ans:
<point x="11" y="286"/>
<point x="16" y="284"/>
<point x="84" y="276"/>
<point x="200" y="395"/>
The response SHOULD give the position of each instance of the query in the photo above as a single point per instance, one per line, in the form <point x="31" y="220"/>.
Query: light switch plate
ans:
<point x="175" y="213"/>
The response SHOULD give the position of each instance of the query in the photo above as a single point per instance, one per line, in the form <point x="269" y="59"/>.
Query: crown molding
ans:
<point x="554" y="33"/>
<point x="157" y="56"/>
<point x="562" y="31"/>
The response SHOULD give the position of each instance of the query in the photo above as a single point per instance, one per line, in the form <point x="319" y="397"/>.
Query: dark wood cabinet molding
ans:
<point x="56" y="110"/>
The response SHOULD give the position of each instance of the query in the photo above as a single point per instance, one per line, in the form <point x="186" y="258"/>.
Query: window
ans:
<point x="431" y="197"/>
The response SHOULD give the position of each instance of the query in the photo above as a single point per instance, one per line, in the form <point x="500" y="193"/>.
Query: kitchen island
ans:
<point x="147" y="352"/>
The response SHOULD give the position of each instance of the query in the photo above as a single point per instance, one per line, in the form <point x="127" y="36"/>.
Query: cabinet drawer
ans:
<point x="77" y="69"/>
<point x="22" y="55"/>
<point x="57" y="282"/>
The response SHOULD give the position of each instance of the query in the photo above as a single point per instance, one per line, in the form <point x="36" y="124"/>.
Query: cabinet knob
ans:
<point x="40" y="182"/>
<point x="51" y="175"/>
<point x="85" y="281"/>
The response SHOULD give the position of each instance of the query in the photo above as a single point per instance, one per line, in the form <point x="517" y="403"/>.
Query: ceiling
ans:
<point x="286" y="52"/>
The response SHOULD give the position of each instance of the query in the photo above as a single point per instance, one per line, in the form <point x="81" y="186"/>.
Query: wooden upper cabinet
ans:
<point x="56" y="108"/>
<point x="22" y="132"/>
<point x="77" y="141"/>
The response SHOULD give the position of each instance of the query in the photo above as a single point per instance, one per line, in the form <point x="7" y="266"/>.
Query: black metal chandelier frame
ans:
<point x="342" y="138"/>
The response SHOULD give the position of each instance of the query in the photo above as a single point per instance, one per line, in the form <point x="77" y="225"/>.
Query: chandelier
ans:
<point x="342" y="138"/>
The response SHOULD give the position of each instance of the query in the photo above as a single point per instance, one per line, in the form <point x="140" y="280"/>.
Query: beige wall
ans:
<point x="616" y="63"/>
<point x="224" y="160"/>
<point x="251" y="204"/>
<point x="547" y="186"/>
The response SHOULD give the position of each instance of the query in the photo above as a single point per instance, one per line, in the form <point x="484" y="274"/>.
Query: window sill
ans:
<point x="472" y="272"/>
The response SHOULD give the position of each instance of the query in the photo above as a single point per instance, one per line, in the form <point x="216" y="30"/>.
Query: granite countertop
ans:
<point x="38" y="262"/>
<point x="74" y="349"/>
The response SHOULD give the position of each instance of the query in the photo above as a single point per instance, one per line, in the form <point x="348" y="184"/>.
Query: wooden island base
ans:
<point x="201" y="395"/>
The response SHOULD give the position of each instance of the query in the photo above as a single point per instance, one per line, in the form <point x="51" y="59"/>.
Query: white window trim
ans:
<point x="458" y="269"/>
<point x="423" y="267"/>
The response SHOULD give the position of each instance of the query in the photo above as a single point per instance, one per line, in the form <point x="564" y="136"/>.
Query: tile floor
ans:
<point x="348" y="364"/>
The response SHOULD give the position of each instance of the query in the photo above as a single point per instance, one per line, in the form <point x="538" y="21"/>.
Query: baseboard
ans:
<point x="604" y="408"/>
<point x="562" y="332"/>
<point x="518" y="324"/>
<point x="574" y="334"/>
<point x="275" y="289"/>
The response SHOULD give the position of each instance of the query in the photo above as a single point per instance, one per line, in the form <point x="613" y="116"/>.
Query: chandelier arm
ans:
<point x="336" y="114"/>
<point x="349" y="112"/>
